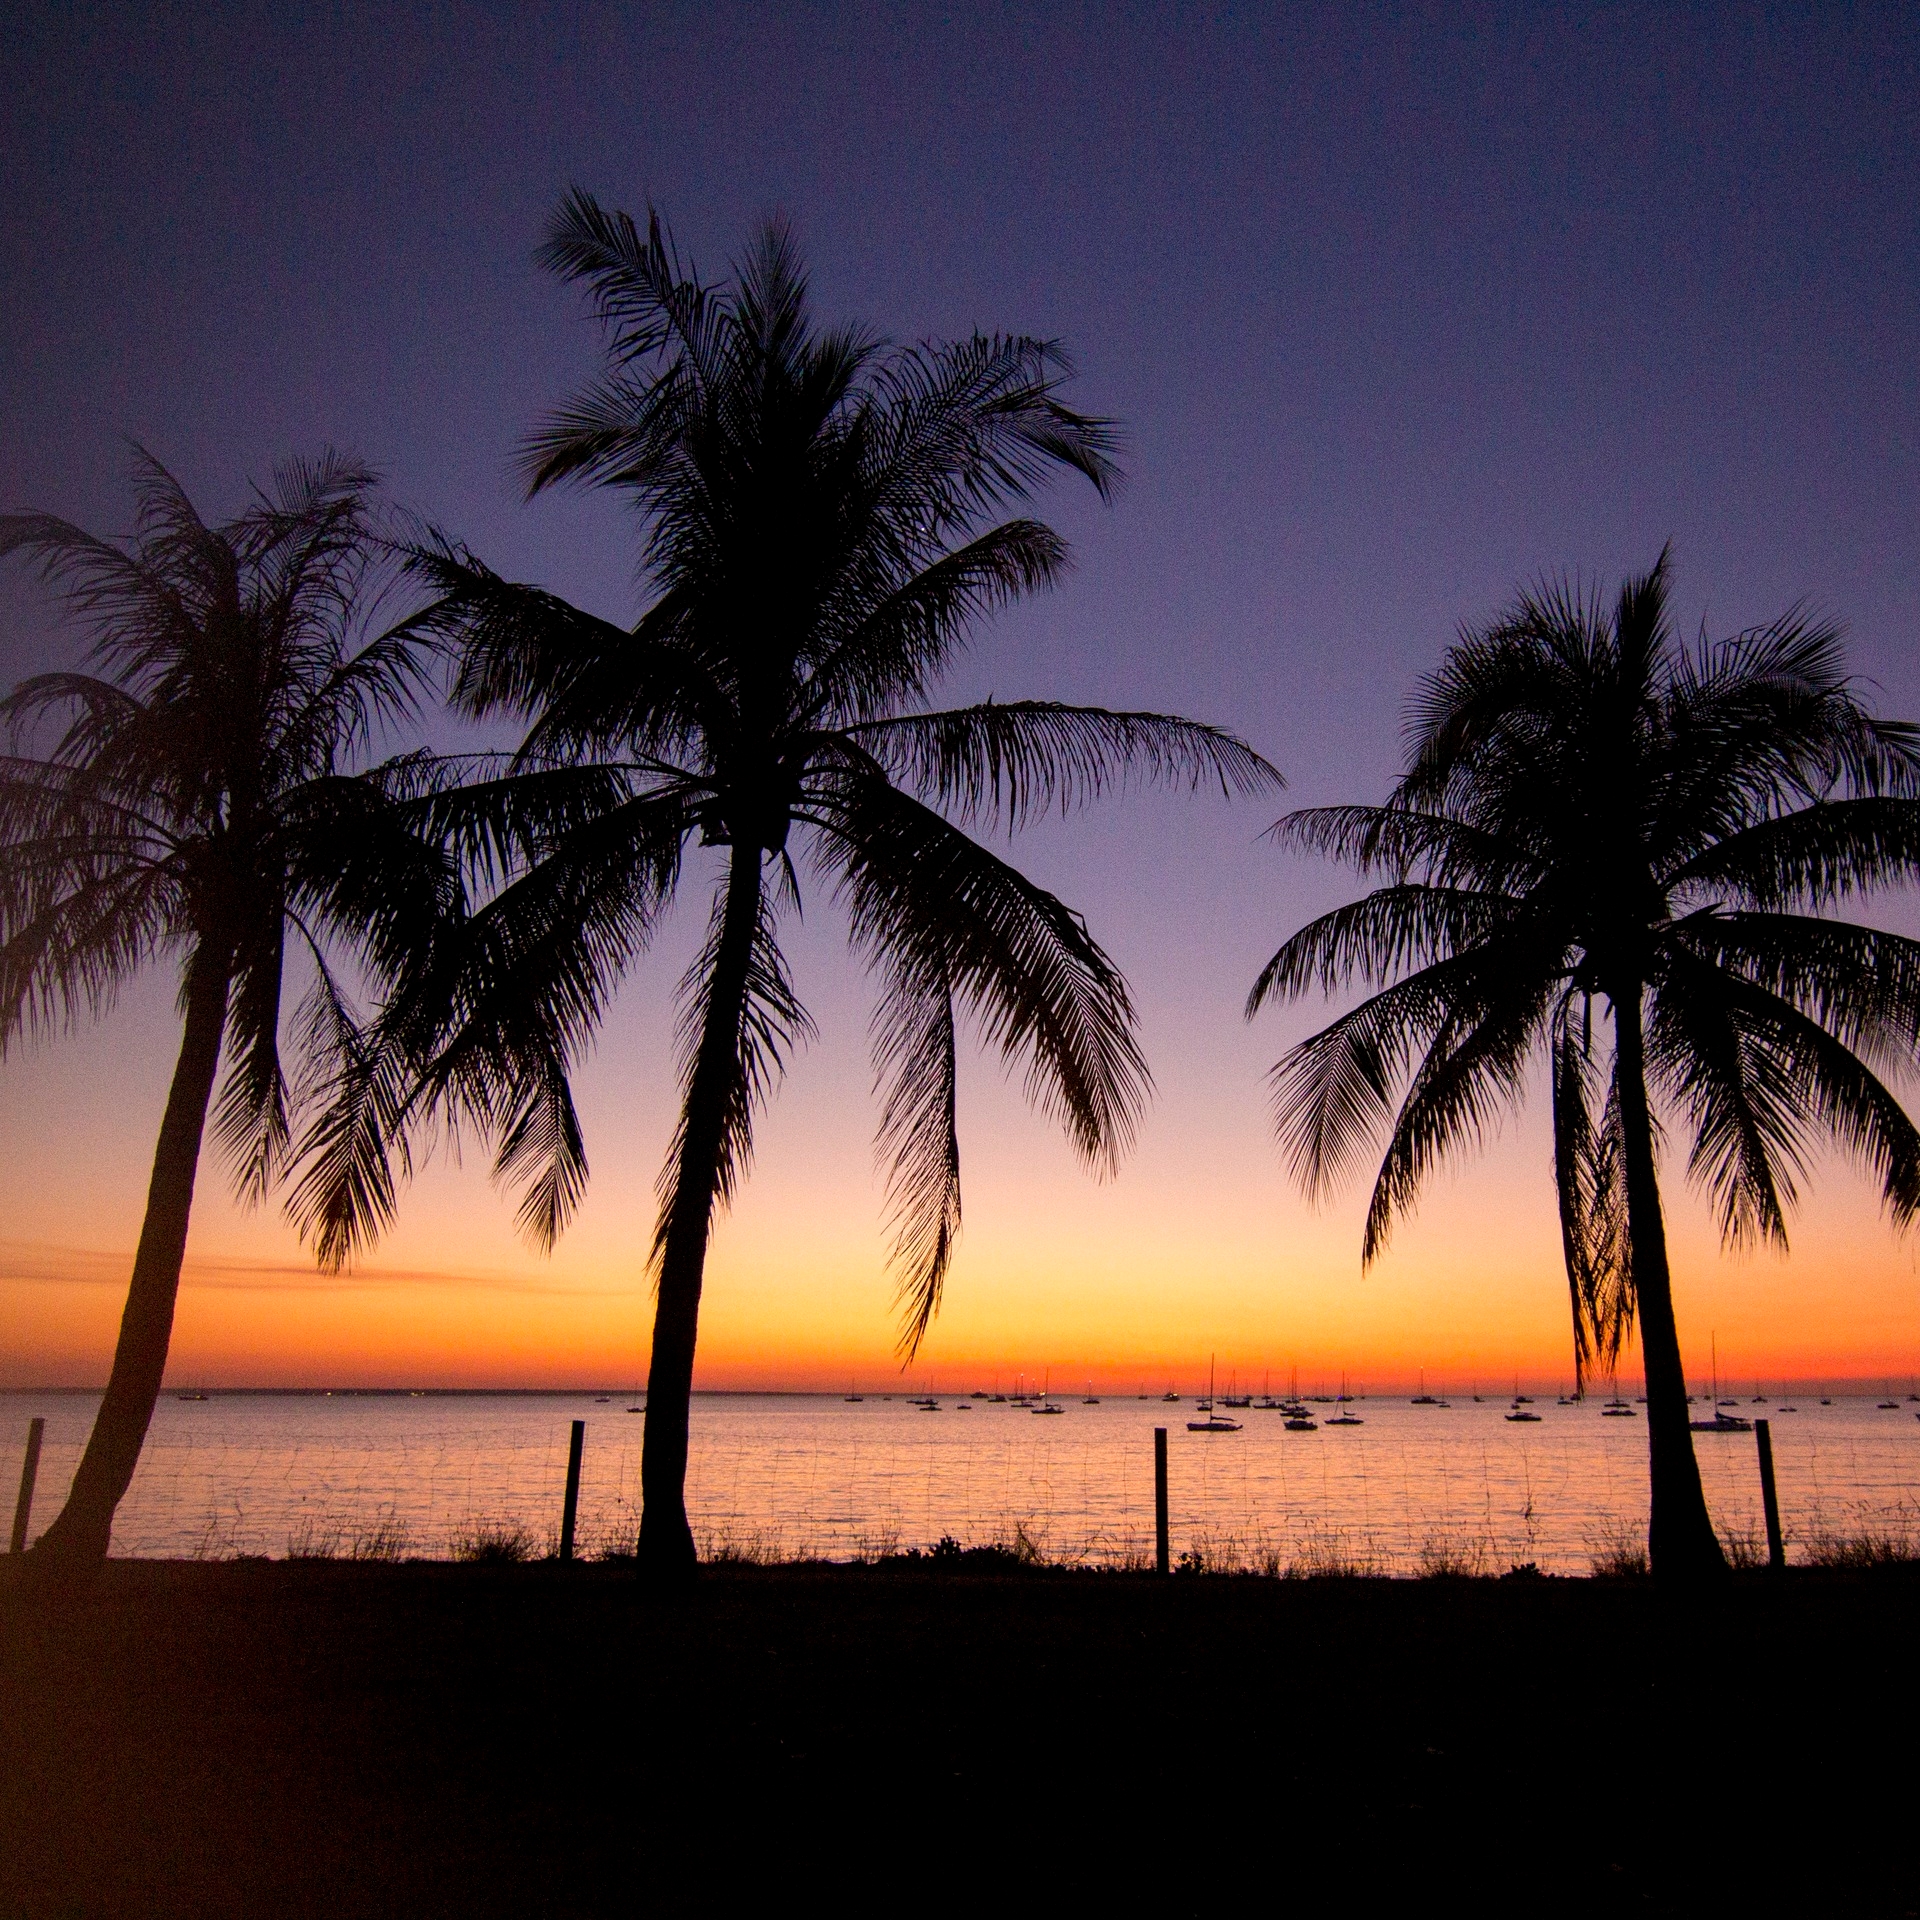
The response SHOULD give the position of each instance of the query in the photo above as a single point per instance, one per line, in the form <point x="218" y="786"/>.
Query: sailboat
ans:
<point x="1214" y="1422"/>
<point x="853" y="1396"/>
<point x="1346" y="1417"/>
<point x="1044" y="1404"/>
<point x="1299" y="1420"/>
<point x="1092" y="1399"/>
<point x="1423" y="1398"/>
<point x="1522" y="1408"/>
<point x="1722" y="1421"/>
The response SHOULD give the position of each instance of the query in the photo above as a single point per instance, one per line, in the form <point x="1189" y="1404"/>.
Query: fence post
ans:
<point x="29" y="1471"/>
<point x="1161" y="1560"/>
<point x="1769" y="1498"/>
<point x="570" y="1512"/>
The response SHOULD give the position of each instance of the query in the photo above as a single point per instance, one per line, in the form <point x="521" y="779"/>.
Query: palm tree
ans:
<point x="195" y="805"/>
<point x="1591" y="813"/>
<point x="819" y="515"/>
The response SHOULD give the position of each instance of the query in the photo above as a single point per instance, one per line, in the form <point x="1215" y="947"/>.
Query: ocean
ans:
<point x="1412" y="1488"/>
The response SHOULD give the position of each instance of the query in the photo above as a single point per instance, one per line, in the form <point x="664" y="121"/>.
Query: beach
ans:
<point x="253" y="1739"/>
<point x="799" y="1476"/>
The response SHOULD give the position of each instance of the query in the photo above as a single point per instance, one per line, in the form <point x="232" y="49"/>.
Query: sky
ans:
<point x="1400" y="308"/>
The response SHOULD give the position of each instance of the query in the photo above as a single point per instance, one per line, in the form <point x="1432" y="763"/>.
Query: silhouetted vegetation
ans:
<point x="1598" y="828"/>
<point x="197" y="804"/>
<point x="478" y="1740"/>
<point x="821" y="530"/>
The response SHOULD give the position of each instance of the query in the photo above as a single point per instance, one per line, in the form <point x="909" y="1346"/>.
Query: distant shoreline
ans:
<point x="1843" y="1384"/>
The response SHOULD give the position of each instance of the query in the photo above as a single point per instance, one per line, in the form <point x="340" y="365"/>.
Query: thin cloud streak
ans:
<point x="37" y="1263"/>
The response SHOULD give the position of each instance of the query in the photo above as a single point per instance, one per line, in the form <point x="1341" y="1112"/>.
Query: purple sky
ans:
<point x="1398" y="310"/>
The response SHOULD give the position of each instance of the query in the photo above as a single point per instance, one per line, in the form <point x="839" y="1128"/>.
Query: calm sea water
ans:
<point x="810" y="1474"/>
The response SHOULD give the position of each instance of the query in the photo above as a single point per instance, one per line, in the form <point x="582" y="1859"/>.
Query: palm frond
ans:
<point x="1474" y="1069"/>
<point x="972" y="423"/>
<point x="1862" y="984"/>
<point x="1816" y="856"/>
<point x="1010" y="761"/>
<point x="1762" y="1082"/>
<point x="250" y="1122"/>
<point x="1590" y="1185"/>
<point x="1372" y="940"/>
<point x="357" y="1088"/>
<point x="523" y="651"/>
<point x="891" y="627"/>
<point x="1334" y="1090"/>
<point x="919" y="893"/>
<point x="919" y="1139"/>
<point x="1403" y="840"/>
<point x="542" y="1151"/>
<point x="526" y="978"/>
<point x="653" y="308"/>
<point x="772" y="1025"/>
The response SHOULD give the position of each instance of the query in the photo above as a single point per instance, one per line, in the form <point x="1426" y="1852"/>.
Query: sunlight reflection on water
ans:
<point x="781" y="1474"/>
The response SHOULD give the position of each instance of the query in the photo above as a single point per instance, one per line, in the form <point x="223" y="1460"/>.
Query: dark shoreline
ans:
<point x="267" y="1738"/>
<point x="1840" y="1387"/>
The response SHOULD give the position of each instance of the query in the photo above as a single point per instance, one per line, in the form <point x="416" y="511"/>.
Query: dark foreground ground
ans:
<point x="263" y="1740"/>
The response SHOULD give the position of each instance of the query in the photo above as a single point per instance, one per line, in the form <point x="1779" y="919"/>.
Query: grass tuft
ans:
<point x="1876" y="1537"/>
<point x="389" y="1538"/>
<point x="751" y="1547"/>
<point x="1330" y="1556"/>
<point x="1442" y="1559"/>
<point x="1619" y="1555"/>
<point x="497" y="1543"/>
<point x="316" y="1539"/>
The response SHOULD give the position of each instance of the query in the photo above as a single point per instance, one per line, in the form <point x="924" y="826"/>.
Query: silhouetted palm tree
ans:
<point x="1590" y="812"/>
<point x="195" y="805"/>
<point x="819" y="533"/>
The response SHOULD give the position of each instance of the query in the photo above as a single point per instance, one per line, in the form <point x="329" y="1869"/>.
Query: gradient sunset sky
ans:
<point x="1400" y="308"/>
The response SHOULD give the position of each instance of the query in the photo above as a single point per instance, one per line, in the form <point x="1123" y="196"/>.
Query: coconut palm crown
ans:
<point x="198" y="802"/>
<point x="821" y="527"/>
<point x="1601" y="830"/>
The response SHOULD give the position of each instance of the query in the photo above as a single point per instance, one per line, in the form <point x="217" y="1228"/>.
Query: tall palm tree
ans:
<point x="196" y="804"/>
<point x="1593" y="814"/>
<point x="819" y="532"/>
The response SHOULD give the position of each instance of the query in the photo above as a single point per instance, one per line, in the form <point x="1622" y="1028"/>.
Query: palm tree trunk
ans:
<point x="79" y="1537"/>
<point x="1680" y="1536"/>
<point x="666" y="1541"/>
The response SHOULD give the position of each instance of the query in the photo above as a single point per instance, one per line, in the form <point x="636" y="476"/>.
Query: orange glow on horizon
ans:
<point x="1200" y="1248"/>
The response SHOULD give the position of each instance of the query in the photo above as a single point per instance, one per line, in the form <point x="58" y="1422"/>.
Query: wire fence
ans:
<point x="784" y="1477"/>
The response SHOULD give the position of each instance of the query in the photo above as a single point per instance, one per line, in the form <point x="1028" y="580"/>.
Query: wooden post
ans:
<point x="1769" y="1499"/>
<point x="29" y="1472"/>
<point x="570" y="1512"/>
<point x="1161" y="1559"/>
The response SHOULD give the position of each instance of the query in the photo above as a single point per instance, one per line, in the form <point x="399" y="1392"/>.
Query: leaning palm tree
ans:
<point x="1599" y="829"/>
<point x="820" y="529"/>
<point x="195" y="805"/>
